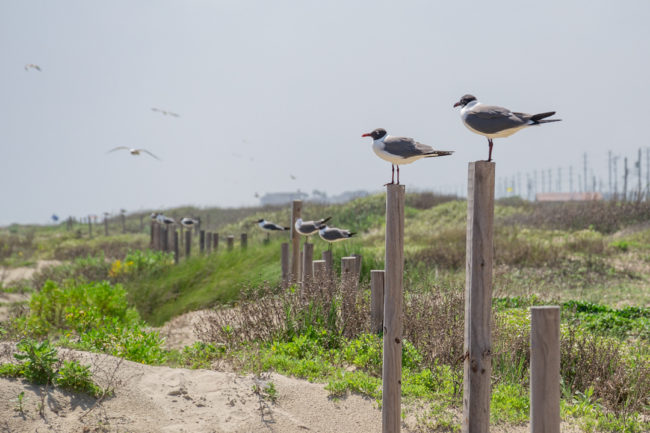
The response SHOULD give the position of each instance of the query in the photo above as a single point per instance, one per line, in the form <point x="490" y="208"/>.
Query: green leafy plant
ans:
<point x="76" y="377"/>
<point x="38" y="361"/>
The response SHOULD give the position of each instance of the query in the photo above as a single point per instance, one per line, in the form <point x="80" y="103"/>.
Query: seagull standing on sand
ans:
<point x="400" y="150"/>
<point x="491" y="121"/>
<point x="134" y="152"/>
<point x="308" y="228"/>
<point x="269" y="226"/>
<point x="333" y="234"/>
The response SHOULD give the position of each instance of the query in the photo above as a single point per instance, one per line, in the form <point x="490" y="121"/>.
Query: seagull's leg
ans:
<point x="398" y="174"/>
<point x="392" y="176"/>
<point x="490" y="154"/>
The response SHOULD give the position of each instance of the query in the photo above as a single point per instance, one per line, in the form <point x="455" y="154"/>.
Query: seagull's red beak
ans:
<point x="366" y="135"/>
<point x="457" y="104"/>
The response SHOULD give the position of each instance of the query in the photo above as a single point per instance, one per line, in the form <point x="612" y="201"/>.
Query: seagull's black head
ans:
<point x="260" y="221"/>
<point x="466" y="99"/>
<point x="376" y="134"/>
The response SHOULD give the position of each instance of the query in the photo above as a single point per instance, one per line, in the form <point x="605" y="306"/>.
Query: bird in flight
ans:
<point x="491" y="121"/>
<point x="134" y="152"/>
<point x="165" y="112"/>
<point x="32" y="66"/>
<point x="400" y="150"/>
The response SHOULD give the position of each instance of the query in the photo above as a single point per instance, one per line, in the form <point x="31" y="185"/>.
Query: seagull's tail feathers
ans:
<point x="439" y="153"/>
<point x="537" y="118"/>
<point x="286" y="228"/>
<point x="324" y="220"/>
<point x="352" y="233"/>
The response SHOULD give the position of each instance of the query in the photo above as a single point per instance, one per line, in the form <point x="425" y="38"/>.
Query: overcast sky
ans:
<point x="269" y="89"/>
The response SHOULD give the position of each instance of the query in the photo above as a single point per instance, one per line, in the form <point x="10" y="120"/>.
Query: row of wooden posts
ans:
<point x="386" y="310"/>
<point x="166" y="238"/>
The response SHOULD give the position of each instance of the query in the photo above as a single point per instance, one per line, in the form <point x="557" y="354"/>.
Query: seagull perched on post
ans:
<point x="162" y="219"/>
<point x="134" y="152"/>
<point x="308" y="228"/>
<point x="491" y="121"/>
<point x="333" y="234"/>
<point x="269" y="226"/>
<point x="400" y="150"/>
<point x="189" y="222"/>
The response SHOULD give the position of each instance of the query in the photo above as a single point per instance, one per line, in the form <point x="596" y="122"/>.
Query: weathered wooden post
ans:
<point x="357" y="265"/>
<point x="201" y="241"/>
<point x="319" y="273"/>
<point x="295" y="241"/>
<point x="152" y="241"/>
<point x="164" y="236"/>
<point x="545" y="369"/>
<point x="123" y="222"/>
<point x="188" y="243"/>
<point x="327" y="256"/>
<point x="285" y="264"/>
<point x="208" y="242"/>
<point x="176" y="258"/>
<point x="393" y="294"/>
<point x="376" y="300"/>
<point x="230" y="241"/>
<point x="141" y="223"/>
<point x="307" y="267"/>
<point x="478" y="298"/>
<point x="105" y="225"/>
<point x="215" y="241"/>
<point x="243" y="240"/>
<point x="349" y="273"/>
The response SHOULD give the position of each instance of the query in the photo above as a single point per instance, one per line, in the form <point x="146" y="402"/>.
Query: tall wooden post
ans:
<point x="164" y="236"/>
<point x="176" y="258"/>
<point x="243" y="240"/>
<point x="478" y="298"/>
<point x="208" y="242"/>
<point x="188" y="243"/>
<point x="230" y="241"/>
<point x="285" y="264"/>
<point x="393" y="294"/>
<point x="327" y="256"/>
<point x="295" y="241"/>
<point x="545" y="369"/>
<point x="152" y="242"/>
<point x="376" y="300"/>
<point x="201" y="241"/>
<point x="307" y="267"/>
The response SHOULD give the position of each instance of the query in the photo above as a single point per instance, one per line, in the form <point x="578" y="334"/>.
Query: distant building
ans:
<point x="569" y="196"/>
<point x="276" y="198"/>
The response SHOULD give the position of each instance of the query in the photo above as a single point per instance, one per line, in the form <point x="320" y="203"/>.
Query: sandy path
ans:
<point x="8" y="275"/>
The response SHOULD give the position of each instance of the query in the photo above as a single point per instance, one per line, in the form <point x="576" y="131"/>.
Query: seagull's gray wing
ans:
<point x="149" y="153"/>
<point x="118" y="148"/>
<point x="490" y="119"/>
<point x="405" y="147"/>
<point x="174" y="114"/>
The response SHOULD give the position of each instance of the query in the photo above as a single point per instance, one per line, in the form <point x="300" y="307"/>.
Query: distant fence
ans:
<point x="171" y="238"/>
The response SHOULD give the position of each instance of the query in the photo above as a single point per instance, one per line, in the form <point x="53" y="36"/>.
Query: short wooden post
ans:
<point x="208" y="242"/>
<point x="295" y="241"/>
<point x="307" y="267"/>
<point x="349" y="273"/>
<point x="152" y="244"/>
<point x="285" y="264"/>
<point x="123" y="222"/>
<point x="357" y="265"/>
<point x="164" y="237"/>
<point x="141" y="223"/>
<point x="175" y="242"/>
<point x="319" y="273"/>
<point x="243" y="240"/>
<point x="105" y="225"/>
<point x="545" y="369"/>
<point x="215" y="241"/>
<point x="327" y="256"/>
<point x="188" y="243"/>
<point x="230" y="241"/>
<point x="478" y="297"/>
<point x="201" y="241"/>
<point x="376" y="300"/>
<point x="393" y="294"/>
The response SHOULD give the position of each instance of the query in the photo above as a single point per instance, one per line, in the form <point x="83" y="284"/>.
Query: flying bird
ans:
<point x="308" y="228"/>
<point x="134" y="152"/>
<point x="333" y="234"/>
<point x="269" y="226"/>
<point x="165" y="112"/>
<point x="292" y="177"/>
<point x="491" y="121"/>
<point x="32" y="66"/>
<point x="400" y="150"/>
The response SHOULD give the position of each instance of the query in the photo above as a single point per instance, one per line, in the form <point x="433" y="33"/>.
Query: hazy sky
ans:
<point x="266" y="89"/>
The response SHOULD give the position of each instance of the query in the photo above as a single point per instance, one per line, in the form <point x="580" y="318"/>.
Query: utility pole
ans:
<point x="638" y="166"/>
<point x="559" y="179"/>
<point x="571" y="178"/>
<point x="584" y="178"/>
<point x="609" y="171"/>
<point x="625" y="173"/>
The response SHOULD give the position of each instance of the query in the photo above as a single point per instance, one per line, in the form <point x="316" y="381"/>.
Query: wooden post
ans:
<point x="123" y="222"/>
<point x="243" y="240"/>
<point x="376" y="300"/>
<point x="307" y="267"/>
<point x="152" y="242"/>
<point x="357" y="265"/>
<point x="201" y="241"/>
<point x="393" y="294"/>
<point x="141" y="223"/>
<point x="90" y="227"/>
<point x="230" y="240"/>
<point x="215" y="241"/>
<point x="188" y="243"/>
<point x="478" y="297"/>
<point x="285" y="264"/>
<point x="164" y="236"/>
<point x="349" y="273"/>
<point x="176" y="258"/>
<point x="105" y="226"/>
<point x="545" y="369"/>
<point x="295" y="241"/>
<point x="319" y="273"/>
<point x="327" y="256"/>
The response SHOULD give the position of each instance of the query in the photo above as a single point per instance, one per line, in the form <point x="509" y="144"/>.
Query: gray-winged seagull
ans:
<point x="134" y="152"/>
<point x="400" y="150"/>
<point x="495" y="122"/>
<point x="333" y="234"/>
<point x="33" y="66"/>
<point x="308" y="228"/>
<point x="269" y="226"/>
<point x="189" y="222"/>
